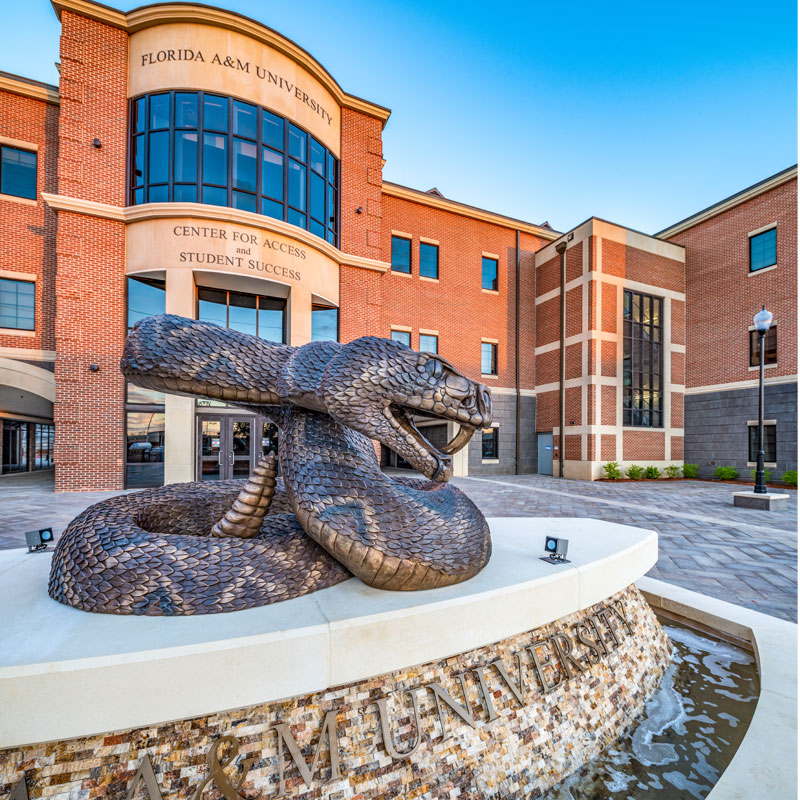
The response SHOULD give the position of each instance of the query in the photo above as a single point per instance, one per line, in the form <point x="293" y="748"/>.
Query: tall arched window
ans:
<point x="198" y="147"/>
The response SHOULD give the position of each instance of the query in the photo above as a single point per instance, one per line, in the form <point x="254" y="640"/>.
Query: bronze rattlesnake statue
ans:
<point x="210" y="547"/>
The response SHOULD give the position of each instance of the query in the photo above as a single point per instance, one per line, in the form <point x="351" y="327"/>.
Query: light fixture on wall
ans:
<point x="94" y="368"/>
<point x="359" y="210"/>
<point x="97" y="143"/>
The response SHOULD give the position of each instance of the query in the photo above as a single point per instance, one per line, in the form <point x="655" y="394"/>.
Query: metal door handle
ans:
<point x="232" y="458"/>
<point x="219" y="457"/>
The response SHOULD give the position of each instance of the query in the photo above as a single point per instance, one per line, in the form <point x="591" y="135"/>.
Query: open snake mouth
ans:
<point x="402" y="419"/>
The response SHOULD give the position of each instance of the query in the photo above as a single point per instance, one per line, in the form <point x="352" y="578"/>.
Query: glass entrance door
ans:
<point x="225" y="447"/>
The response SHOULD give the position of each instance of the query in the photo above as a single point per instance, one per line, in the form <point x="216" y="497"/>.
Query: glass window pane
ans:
<point x="297" y="185"/>
<point x="215" y="159"/>
<point x="138" y="197"/>
<point x="139" y="121"/>
<point x="244" y="165"/>
<point x="185" y="193"/>
<point x="489" y="447"/>
<point x="158" y="158"/>
<point x="272" y="174"/>
<point x="212" y="306"/>
<point x="270" y="321"/>
<point x="272" y="130"/>
<point x="488" y="358"/>
<point x="244" y="201"/>
<point x="159" y="111"/>
<point x="17" y="302"/>
<point x="317" y="198"/>
<point x="763" y="249"/>
<point x="317" y="157"/>
<point x="429" y="260"/>
<point x="317" y="228"/>
<point x="324" y="323"/>
<point x="215" y="113"/>
<point x="401" y="254"/>
<point x="145" y="448"/>
<point x="18" y="172"/>
<point x="136" y="394"/>
<point x="185" y="166"/>
<point x="331" y="169"/>
<point x="138" y="160"/>
<point x="146" y="298"/>
<point x="213" y="195"/>
<point x="297" y="143"/>
<point x="428" y="343"/>
<point x="272" y="209"/>
<point x="489" y="273"/>
<point x="242" y="313"/>
<point x="331" y="220"/>
<point x="296" y="218"/>
<point x="158" y="194"/>
<point x="404" y="337"/>
<point x="185" y="110"/>
<point x="245" y="120"/>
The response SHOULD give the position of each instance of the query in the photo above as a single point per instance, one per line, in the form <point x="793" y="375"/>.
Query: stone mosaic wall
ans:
<point x="557" y="705"/>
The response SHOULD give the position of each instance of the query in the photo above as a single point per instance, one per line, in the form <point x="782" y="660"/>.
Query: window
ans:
<point x="197" y="147"/>
<point x="642" y="360"/>
<point x="428" y="343"/>
<point x="247" y="313"/>
<point x="401" y="254"/>
<point x="488" y="358"/>
<point x="44" y="441"/>
<point x="489" y="273"/>
<point x="324" y="323"/>
<point x="429" y="260"/>
<point x="764" y="250"/>
<point x="144" y="408"/>
<point x="489" y="448"/>
<point x="770" y="347"/>
<point x="402" y="336"/>
<point x="770" y="441"/>
<point x="17" y="301"/>
<point x="17" y="172"/>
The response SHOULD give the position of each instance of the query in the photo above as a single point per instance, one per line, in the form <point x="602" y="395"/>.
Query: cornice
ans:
<point x="464" y="210"/>
<point x="150" y="211"/>
<point x="164" y="13"/>
<point x="730" y="202"/>
<point x="27" y="88"/>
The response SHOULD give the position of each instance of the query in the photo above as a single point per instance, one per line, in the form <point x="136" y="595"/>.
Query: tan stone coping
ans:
<point x="765" y="765"/>
<point x="66" y="673"/>
<point x="464" y="210"/>
<point x="29" y="88"/>
<point x="212" y="213"/>
<point x="163" y="13"/>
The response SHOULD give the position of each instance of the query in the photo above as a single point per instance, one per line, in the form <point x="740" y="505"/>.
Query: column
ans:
<point x="179" y="435"/>
<point x="299" y="311"/>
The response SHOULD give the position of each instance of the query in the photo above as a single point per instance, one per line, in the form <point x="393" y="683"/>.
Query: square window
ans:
<point x="489" y="443"/>
<point x="770" y="347"/>
<point x="404" y="337"/>
<point x="429" y="260"/>
<point x="18" y="172"/>
<point x="764" y="250"/>
<point x="488" y="358"/>
<point x="401" y="254"/>
<point x="17" y="302"/>
<point x="770" y="444"/>
<point x="428" y="343"/>
<point x="489" y="273"/>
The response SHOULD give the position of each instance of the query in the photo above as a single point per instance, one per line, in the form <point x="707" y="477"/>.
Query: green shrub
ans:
<point x="790" y="477"/>
<point x="612" y="471"/>
<point x="672" y="470"/>
<point x="690" y="470"/>
<point x="726" y="473"/>
<point x="767" y="473"/>
<point x="634" y="472"/>
<point x="652" y="472"/>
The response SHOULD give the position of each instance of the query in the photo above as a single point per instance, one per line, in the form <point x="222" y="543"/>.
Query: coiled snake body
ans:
<point x="203" y="547"/>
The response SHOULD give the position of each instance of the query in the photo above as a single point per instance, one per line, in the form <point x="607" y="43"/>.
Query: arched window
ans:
<point x="198" y="147"/>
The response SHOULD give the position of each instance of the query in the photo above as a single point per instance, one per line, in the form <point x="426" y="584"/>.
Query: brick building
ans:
<point x="196" y="162"/>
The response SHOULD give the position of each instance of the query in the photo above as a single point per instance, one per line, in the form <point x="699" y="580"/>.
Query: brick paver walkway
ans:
<point x="705" y="544"/>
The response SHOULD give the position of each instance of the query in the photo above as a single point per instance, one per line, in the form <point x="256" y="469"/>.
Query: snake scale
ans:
<point x="208" y="547"/>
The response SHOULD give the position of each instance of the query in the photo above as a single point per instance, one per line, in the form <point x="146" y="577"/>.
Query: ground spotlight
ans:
<point x="556" y="550"/>
<point x="38" y="540"/>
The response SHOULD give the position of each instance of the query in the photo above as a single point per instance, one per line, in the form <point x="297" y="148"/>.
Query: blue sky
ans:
<point x="639" y="113"/>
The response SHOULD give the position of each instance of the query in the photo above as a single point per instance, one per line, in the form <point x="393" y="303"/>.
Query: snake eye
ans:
<point x="434" y="368"/>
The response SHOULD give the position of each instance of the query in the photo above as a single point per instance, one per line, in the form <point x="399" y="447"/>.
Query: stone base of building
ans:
<point x="761" y="502"/>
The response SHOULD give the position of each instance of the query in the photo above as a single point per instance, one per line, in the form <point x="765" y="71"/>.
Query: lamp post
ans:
<point x="762" y="321"/>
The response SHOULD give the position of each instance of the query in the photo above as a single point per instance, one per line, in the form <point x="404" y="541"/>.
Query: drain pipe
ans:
<point x="516" y="366"/>
<point x="561" y="249"/>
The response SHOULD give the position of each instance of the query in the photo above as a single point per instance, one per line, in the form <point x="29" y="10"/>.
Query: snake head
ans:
<point x="378" y="386"/>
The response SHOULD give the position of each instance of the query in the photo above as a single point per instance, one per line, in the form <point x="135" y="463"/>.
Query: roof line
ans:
<point x="38" y="90"/>
<point x="729" y="202"/>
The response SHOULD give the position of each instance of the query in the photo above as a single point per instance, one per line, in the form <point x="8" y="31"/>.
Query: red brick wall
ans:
<point x="90" y="286"/>
<point x="722" y="296"/>
<point x="29" y="231"/>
